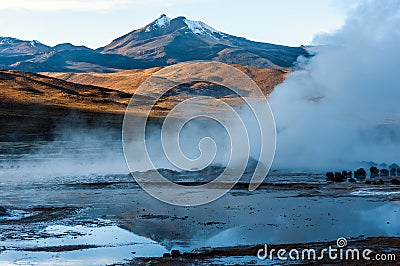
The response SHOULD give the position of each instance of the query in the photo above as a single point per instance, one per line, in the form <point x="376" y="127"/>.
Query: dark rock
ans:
<point x="339" y="177"/>
<point x="379" y="182"/>
<point x="368" y="182"/>
<point x="393" y="172"/>
<point x="384" y="172"/>
<point x="398" y="171"/>
<point x="374" y="171"/>
<point x="166" y="255"/>
<point x="350" y="174"/>
<point x="352" y="180"/>
<point x="3" y="211"/>
<point x="175" y="253"/>
<point x="347" y="174"/>
<point x="360" y="173"/>
<point x="395" y="181"/>
<point x="330" y="176"/>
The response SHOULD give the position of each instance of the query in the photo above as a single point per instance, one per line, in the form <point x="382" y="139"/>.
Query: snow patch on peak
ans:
<point x="199" y="27"/>
<point x="162" y="22"/>
<point x="6" y="40"/>
<point x="34" y="43"/>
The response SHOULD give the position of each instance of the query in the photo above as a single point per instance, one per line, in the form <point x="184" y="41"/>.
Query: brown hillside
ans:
<point x="129" y="80"/>
<point x="36" y="106"/>
<point x="28" y="88"/>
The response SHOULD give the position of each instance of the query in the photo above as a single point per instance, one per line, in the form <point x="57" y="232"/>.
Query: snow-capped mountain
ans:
<point x="168" y="41"/>
<point x="162" y="42"/>
<point x="13" y="46"/>
<point x="197" y="27"/>
<point x="161" y="22"/>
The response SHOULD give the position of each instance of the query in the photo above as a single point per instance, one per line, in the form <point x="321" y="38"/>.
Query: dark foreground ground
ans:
<point x="244" y="255"/>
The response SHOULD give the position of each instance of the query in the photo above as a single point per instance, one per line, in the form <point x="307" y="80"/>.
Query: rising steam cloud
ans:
<point x="342" y="108"/>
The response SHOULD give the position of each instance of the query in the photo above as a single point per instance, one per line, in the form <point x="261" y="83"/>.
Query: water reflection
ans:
<point x="283" y="213"/>
<point x="78" y="245"/>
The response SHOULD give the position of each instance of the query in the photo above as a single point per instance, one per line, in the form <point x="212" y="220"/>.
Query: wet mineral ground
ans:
<point x="100" y="219"/>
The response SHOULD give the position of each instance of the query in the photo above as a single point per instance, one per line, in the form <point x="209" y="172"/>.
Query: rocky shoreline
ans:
<point x="216" y="256"/>
<point x="376" y="176"/>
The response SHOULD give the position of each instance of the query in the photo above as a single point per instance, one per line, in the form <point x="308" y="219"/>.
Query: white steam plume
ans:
<point x="343" y="107"/>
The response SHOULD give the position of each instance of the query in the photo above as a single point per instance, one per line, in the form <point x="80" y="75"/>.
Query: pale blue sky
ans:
<point x="97" y="23"/>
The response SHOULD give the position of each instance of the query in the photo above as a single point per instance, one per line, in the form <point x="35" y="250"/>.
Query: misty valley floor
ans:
<point x="98" y="219"/>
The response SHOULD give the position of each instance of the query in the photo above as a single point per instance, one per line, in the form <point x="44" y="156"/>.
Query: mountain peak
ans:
<point x="7" y="40"/>
<point x="34" y="43"/>
<point x="193" y="26"/>
<point x="167" y="41"/>
<point x="199" y="27"/>
<point x="162" y="22"/>
<point x="196" y="27"/>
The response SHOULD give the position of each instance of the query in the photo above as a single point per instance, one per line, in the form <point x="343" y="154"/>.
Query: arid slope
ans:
<point x="42" y="106"/>
<point x="35" y="106"/>
<point x="129" y="80"/>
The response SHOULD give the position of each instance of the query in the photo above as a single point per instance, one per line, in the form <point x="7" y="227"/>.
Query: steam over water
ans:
<point x="71" y="201"/>
<point x="338" y="110"/>
<point x="343" y="107"/>
<point x="79" y="154"/>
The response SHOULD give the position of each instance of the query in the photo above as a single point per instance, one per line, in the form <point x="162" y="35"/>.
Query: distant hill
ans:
<point x="32" y="106"/>
<point x="164" y="41"/>
<point x="128" y="80"/>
